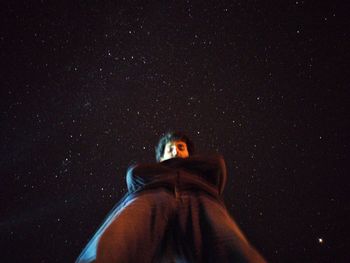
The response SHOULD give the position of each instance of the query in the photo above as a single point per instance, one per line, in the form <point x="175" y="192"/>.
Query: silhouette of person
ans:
<point x="173" y="212"/>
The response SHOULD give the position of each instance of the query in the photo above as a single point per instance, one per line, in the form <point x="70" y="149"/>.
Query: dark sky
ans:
<point x="88" y="87"/>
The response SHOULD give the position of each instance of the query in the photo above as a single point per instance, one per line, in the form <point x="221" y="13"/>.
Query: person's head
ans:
<point x="174" y="144"/>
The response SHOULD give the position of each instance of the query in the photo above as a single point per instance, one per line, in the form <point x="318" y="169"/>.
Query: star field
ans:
<point x="87" y="88"/>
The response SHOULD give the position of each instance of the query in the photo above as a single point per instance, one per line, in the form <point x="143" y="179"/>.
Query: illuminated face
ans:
<point x="175" y="149"/>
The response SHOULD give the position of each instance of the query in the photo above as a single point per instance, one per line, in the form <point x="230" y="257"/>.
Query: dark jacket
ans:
<point x="196" y="173"/>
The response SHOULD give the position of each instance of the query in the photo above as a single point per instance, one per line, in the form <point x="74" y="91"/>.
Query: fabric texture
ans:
<point x="173" y="212"/>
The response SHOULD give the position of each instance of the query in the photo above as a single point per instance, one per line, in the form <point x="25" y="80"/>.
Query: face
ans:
<point x="175" y="149"/>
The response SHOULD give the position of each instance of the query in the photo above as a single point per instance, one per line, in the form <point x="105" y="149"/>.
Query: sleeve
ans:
<point x="222" y="174"/>
<point x="132" y="181"/>
<point x="142" y="176"/>
<point x="211" y="168"/>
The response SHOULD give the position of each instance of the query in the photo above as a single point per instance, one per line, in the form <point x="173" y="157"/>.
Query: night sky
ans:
<point x="88" y="87"/>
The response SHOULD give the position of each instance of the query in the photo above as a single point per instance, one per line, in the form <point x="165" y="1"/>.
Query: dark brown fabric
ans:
<point x="174" y="214"/>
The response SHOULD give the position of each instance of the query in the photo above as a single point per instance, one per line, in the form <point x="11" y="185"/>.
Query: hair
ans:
<point x="173" y="136"/>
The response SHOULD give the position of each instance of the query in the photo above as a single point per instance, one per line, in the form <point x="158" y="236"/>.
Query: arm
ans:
<point x="222" y="174"/>
<point x="141" y="175"/>
<point x="211" y="168"/>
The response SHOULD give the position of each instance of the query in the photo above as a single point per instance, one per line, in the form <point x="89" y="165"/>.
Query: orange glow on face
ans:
<point x="175" y="149"/>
